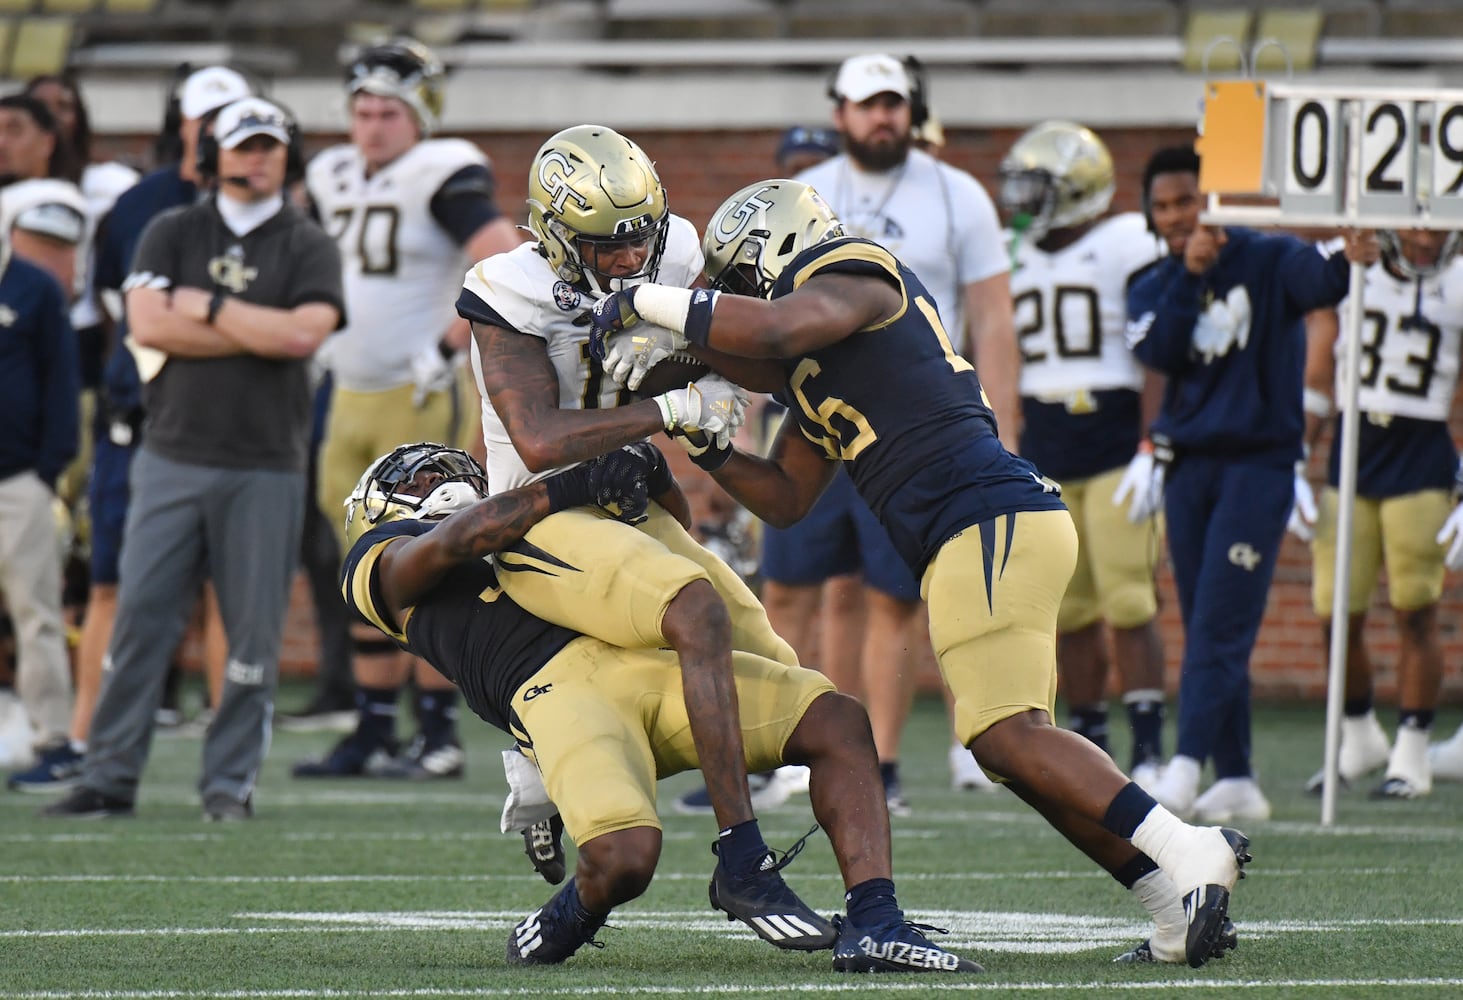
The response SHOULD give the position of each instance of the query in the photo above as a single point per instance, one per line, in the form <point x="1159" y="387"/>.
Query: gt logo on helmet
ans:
<point x="730" y="224"/>
<point x="554" y="170"/>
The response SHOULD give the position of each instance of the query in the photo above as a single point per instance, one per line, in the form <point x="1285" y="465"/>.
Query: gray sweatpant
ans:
<point x="239" y="528"/>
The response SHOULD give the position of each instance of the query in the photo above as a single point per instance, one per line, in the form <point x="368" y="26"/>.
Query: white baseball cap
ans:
<point x="250" y="117"/>
<point x="211" y="88"/>
<point x="861" y="77"/>
<point x="47" y="206"/>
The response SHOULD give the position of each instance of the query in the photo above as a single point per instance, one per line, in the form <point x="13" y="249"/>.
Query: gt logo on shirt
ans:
<point x="537" y="690"/>
<point x="1243" y="555"/>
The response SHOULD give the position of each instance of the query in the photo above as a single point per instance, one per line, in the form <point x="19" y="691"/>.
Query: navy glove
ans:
<point x="703" y="449"/>
<point x="614" y="482"/>
<point x="611" y="314"/>
<point x="658" y="477"/>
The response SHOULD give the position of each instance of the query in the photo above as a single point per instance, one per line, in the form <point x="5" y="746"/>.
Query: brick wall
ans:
<point x="700" y="169"/>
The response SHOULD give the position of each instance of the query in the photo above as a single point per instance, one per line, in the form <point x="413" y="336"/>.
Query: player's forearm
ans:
<point x="493" y="524"/>
<point x="998" y="364"/>
<point x="549" y="437"/>
<point x="761" y="486"/>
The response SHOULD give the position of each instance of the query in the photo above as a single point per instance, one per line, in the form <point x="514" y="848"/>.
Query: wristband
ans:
<point x="686" y="311"/>
<point x="1316" y="403"/>
<point x="215" y="304"/>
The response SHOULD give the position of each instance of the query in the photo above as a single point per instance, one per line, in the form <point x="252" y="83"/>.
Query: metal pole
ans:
<point x="1346" y="509"/>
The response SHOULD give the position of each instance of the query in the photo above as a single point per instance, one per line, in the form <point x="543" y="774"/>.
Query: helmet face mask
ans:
<point x="1395" y="246"/>
<point x="757" y="232"/>
<point x="1056" y="175"/>
<point x="597" y="208"/>
<point x="406" y="70"/>
<point x="398" y="485"/>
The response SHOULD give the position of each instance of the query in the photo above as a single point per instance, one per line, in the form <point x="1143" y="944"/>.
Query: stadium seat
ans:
<point x="67" y="6"/>
<point x="1207" y="25"/>
<point x="440" y="5"/>
<point x="1297" y="29"/>
<point x="42" y="45"/>
<point x="7" y="34"/>
<point x="130" y="6"/>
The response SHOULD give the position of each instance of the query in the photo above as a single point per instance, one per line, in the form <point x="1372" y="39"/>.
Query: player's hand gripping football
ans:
<point x="710" y="404"/>
<point x="625" y="355"/>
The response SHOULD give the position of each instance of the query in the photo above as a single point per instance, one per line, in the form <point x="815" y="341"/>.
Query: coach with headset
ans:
<point x="228" y="300"/>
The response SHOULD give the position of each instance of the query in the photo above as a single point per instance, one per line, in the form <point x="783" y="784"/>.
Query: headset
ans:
<point x="919" y="92"/>
<point x="207" y="160"/>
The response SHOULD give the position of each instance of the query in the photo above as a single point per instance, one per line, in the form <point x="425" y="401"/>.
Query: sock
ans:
<point x="1127" y="811"/>
<point x="1160" y="898"/>
<point x="742" y="849"/>
<point x="1090" y="721"/>
<point x="1145" y="721"/>
<point x="889" y="773"/>
<point x="1416" y="718"/>
<point x="872" y="904"/>
<point x="437" y="713"/>
<point x="567" y="904"/>
<point x="1353" y="707"/>
<point x="376" y="708"/>
<point x="1136" y="868"/>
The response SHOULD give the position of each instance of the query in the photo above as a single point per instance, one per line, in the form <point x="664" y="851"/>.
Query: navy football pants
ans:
<point x="1225" y="524"/>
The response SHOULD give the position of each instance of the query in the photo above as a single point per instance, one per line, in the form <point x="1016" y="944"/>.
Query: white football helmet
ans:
<point x="408" y="483"/>
<point x="591" y="193"/>
<point x="406" y="69"/>
<point x="1058" y="174"/>
<point x="1403" y="249"/>
<point x="759" y="230"/>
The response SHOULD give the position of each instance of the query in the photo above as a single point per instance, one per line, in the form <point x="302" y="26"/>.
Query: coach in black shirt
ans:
<point x="227" y="301"/>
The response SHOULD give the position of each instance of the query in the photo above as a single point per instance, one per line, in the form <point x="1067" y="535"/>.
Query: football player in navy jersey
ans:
<point x="1082" y="408"/>
<point x="1405" y="515"/>
<point x="601" y="722"/>
<point x="1222" y="317"/>
<point x="852" y="342"/>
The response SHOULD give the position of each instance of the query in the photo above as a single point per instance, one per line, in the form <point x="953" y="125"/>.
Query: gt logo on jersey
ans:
<point x="731" y="224"/>
<point x="566" y="296"/>
<point x="554" y="171"/>
<point x="230" y="271"/>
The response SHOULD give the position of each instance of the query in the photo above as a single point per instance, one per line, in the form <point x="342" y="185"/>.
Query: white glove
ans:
<point x="1302" y="523"/>
<point x="629" y="354"/>
<point x="1143" y="481"/>
<point x="447" y="499"/>
<point x="710" y="404"/>
<point x="1452" y="537"/>
<point x="430" y="372"/>
<point x="528" y="800"/>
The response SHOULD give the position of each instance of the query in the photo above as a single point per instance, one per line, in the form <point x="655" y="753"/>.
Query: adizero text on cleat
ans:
<point x="900" y="947"/>
<point x="764" y="903"/>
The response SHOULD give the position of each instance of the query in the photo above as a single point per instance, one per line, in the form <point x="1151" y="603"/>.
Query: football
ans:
<point x="674" y="372"/>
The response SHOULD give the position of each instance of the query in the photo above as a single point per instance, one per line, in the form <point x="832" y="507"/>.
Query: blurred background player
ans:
<point x="940" y="221"/>
<point x="410" y="214"/>
<point x="1405" y="515"/>
<point x="1222" y="316"/>
<point x="1082" y="419"/>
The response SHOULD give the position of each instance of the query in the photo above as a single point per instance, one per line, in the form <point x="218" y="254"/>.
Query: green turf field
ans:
<point x="370" y="888"/>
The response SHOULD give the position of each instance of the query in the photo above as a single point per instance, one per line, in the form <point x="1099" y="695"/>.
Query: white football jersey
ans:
<point x="400" y="267"/>
<point x="1411" y="335"/>
<point x="1070" y="309"/>
<point x="523" y="289"/>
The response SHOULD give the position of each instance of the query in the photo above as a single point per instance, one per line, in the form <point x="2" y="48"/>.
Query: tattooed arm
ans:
<point x="408" y="568"/>
<point x="524" y="389"/>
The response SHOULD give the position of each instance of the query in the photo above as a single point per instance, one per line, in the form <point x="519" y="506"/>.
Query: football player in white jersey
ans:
<point x="409" y="213"/>
<point x="1082" y="417"/>
<point x="1406" y="516"/>
<point x="599" y="214"/>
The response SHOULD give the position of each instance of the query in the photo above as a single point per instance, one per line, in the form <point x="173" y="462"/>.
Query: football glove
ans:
<point x="628" y="356"/>
<point x="431" y="371"/>
<point x="447" y="499"/>
<point x="710" y="404"/>
<point x="703" y="449"/>
<point x="611" y="314"/>
<point x="1302" y="522"/>
<point x="658" y="477"/>
<point x="614" y="482"/>
<point x="1143" y="482"/>
<point x="1452" y="538"/>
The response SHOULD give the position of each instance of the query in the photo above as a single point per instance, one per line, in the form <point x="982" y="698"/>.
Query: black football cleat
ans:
<point x="1206" y="907"/>
<point x="544" y="844"/>
<point x="900" y="947"/>
<point x="765" y="903"/>
<point x="552" y="933"/>
<point x="1228" y="941"/>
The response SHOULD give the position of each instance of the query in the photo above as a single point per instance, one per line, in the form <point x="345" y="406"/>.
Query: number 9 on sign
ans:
<point x="1447" y="157"/>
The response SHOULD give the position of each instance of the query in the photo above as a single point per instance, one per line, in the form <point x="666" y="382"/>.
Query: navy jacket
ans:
<point x="40" y="374"/>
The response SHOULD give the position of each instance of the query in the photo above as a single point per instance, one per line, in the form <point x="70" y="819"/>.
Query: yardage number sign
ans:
<point x="1411" y="155"/>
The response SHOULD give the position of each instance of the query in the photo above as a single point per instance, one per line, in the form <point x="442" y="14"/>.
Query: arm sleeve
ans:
<point x="1310" y="278"/>
<point x="317" y="271"/>
<point x="465" y="202"/>
<point x="1162" y="311"/>
<point x="61" y="387"/>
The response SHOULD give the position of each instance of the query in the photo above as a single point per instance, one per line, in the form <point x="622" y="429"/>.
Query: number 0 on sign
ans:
<point x="1312" y="147"/>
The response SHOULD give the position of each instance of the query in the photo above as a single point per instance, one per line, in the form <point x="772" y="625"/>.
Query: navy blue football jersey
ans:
<point x="905" y="413"/>
<point x="466" y="628"/>
<point x="1397" y="456"/>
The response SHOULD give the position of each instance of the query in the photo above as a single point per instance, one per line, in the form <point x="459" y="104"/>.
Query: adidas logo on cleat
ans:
<point x="775" y="927"/>
<point x="528" y="935"/>
<point x="911" y="956"/>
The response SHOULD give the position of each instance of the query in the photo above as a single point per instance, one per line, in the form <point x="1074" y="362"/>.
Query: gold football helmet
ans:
<point x="406" y="69"/>
<point x="593" y="193"/>
<point x="759" y="230"/>
<point x="1058" y="174"/>
<point x="399" y="485"/>
<point x="1419" y="253"/>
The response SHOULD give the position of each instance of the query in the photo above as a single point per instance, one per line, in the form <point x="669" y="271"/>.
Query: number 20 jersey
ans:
<point x="519" y="291"/>
<point x="1080" y="384"/>
<point x="905" y="413"/>
<point x="400" y="266"/>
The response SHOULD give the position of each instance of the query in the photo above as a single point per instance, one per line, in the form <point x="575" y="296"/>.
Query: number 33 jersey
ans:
<point x="1080" y="384"/>
<point x="519" y="291"/>
<point x="400" y="265"/>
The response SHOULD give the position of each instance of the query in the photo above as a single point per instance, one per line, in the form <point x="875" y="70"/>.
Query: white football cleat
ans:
<point x="1446" y="758"/>
<point x="1232" y="799"/>
<point x="1178" y="786"/>
<point x="1147" y="774"/>
<point x="965" y="774"/>
<point x="1409" y="774"/>
<point x="1364" y="749"/>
